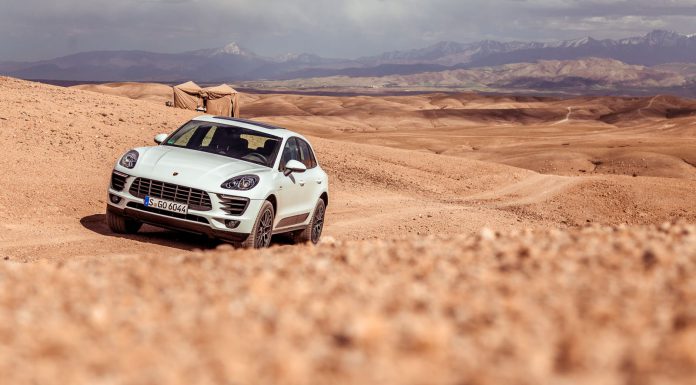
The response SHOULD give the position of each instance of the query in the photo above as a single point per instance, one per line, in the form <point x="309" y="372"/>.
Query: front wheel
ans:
<point x="122" y="225"/>
<point x="312" y="233"/>
<point x="262" y="231"/>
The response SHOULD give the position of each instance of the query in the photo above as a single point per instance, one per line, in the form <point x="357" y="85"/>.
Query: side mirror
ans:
<point x="294" y="166"/>
<point x="160" y="138"/>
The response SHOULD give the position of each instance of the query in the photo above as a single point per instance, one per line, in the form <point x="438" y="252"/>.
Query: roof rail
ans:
<point x="260" y="124"/>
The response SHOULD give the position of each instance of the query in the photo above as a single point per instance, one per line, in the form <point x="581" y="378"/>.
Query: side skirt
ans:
<point x="288" y="229"/>
<point x="293" y="220"/>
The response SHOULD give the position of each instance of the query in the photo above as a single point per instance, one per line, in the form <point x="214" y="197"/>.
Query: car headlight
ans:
<point x="242" y="182"/>
<point x="130" y="159"/>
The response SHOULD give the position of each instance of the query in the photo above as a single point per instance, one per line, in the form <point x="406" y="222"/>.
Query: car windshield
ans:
<point x="231" y="141"/>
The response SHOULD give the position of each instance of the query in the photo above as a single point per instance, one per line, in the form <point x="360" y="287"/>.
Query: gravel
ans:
<point x="597" y="305"/>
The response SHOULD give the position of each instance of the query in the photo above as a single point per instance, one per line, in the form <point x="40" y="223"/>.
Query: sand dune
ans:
<point x="140" y="91"/>
<point x="581" y="136"/>
<point x="380" y="192"/>
<point x="410" y="286"/>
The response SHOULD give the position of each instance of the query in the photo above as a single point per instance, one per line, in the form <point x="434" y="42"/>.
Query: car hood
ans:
<point x="190" y="167"/>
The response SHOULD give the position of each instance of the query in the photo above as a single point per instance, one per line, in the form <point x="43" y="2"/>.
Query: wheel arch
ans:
<point x="325" y="197"/>
<point x="274" y="202"/>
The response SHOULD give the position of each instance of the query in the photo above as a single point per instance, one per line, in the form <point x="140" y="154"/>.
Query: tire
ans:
<point x="312" y="233"/>
<point x="262" y="231"/>
<point x="122" y="225"/>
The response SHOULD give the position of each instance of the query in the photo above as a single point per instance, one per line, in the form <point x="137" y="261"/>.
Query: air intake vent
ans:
<point x="118" y="180"/>
<point x="233" y="205"/>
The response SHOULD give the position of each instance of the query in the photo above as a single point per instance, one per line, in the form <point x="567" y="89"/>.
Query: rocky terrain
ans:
<point x="598" y="305"/>
<point x="469" y="239"/>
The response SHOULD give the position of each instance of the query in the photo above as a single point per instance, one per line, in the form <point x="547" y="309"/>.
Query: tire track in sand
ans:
<point x="534" y="189"/>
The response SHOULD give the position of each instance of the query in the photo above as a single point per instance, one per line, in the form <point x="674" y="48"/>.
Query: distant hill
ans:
<point x="657" y="47"/>
<point x="229" y="63"/>
<point x="581" y="76"/>
<point x="662" y="54"/>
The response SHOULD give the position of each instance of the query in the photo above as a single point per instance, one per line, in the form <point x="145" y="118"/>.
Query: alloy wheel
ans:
<point x="318" y="223"/>
<point x="265" y="230"/>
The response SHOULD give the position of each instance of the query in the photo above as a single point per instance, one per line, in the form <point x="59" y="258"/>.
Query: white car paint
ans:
<point x="295" y="194"/>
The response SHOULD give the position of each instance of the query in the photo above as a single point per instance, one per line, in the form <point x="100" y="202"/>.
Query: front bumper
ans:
<point x="177" y="224"/>
<point x="211" y="222"/>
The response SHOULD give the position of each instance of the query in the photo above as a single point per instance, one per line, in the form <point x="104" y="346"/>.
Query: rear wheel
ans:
<point x="262" y="231"/>
<point x="122" y="225"/>
<point x="312" y="233"/>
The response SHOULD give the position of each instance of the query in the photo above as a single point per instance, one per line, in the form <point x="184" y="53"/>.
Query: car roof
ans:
<point x="250" y="124"/>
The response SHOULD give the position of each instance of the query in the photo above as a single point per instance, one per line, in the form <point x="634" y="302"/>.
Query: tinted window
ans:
<point x="290" y="152"/>
<point x="234" y="142"/>
<point x="306" y="155"/>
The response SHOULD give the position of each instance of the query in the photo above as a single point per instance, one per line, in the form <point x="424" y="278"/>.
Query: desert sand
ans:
<point x="469" y="239"/>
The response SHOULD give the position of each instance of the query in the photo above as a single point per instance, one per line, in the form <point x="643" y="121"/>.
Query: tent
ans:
<point x="188" y="96"/>
<point x="221" y="100"/>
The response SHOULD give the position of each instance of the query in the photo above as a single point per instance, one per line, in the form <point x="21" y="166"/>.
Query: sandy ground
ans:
<point x="457" y="247"/>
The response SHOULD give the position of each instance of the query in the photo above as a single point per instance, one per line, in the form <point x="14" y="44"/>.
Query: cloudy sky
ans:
<point x="38" y="29"/>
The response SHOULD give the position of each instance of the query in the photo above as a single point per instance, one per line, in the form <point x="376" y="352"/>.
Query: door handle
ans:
<point x="301" y="182"/>
<point x="318" y="181"/>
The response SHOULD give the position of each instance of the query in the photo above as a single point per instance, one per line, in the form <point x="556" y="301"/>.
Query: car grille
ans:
<point x="233" y="205"/>
<point x="118" y="180"/>
<point x="198" y="200"/>
<point x="188" y="217"/>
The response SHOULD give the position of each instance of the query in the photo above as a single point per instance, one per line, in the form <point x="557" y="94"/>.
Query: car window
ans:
<point x="231" y="141"/>
<point x="185" y="134"/>
<point x="255" y="141"/>
<point x="208" y="137"/>
<point x="290" y="152"/>
<point x="306" y="155"/>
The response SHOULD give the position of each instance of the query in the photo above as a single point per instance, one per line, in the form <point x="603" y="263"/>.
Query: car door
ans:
<point x="291" y="189"/>
<point x="313" y="177"/>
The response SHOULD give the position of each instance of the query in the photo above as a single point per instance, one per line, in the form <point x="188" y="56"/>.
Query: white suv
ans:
<point x="232" y="179"/>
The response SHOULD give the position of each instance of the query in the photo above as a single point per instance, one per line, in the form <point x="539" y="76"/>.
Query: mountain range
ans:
<point x="234" y="63"/>
<point x="657" y="47"/>
<point x="579" y="76"/>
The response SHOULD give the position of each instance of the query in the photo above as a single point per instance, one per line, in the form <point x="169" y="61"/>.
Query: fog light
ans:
<point x="115" y="199"/>
<point x="230" y="224"/>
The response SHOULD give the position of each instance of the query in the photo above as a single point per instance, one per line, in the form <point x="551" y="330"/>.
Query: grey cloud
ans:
<point x="649" y="8"/>
<point x="32" y="29"/>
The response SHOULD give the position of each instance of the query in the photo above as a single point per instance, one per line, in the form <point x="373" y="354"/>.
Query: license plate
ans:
<point x="161" y="204"/>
